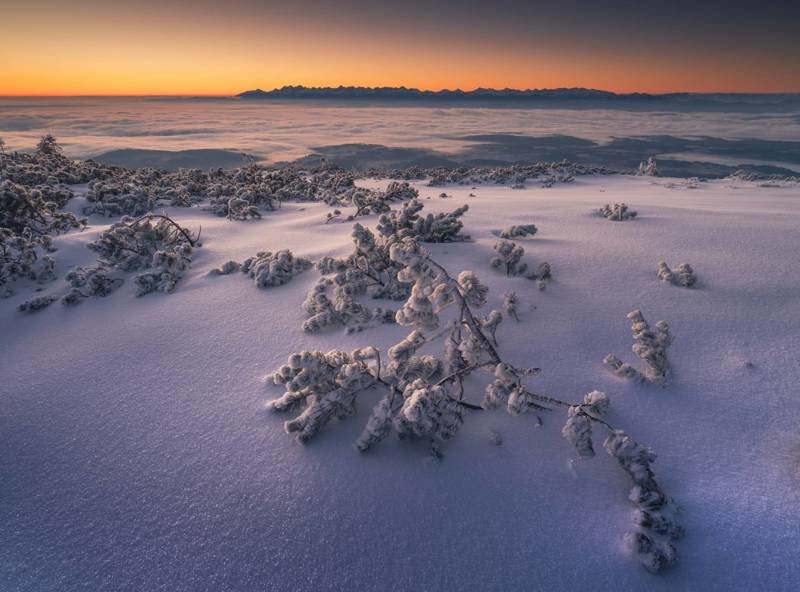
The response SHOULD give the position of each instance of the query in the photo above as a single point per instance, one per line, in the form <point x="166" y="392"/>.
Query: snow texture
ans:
<point x="137" y="454"/>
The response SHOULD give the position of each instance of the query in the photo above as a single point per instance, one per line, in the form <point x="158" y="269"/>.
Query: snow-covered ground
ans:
<point x="136" y="452"/>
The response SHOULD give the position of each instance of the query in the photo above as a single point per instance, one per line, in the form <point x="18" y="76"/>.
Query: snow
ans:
<point x="137" y="453"/>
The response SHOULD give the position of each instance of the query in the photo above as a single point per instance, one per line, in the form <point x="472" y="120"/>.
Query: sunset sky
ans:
<point x="162" y="47"/>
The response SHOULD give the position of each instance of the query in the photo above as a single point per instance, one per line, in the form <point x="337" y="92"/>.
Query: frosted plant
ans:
<point x="433" y="228"/>
<point x="22" y="257"/>
<point x="272" y="269"/>
<point x="418" y="309"/>
<point x="239" y="208"/>
<point x="88" y="282"/>
<point x="35" y="208"/>
<point x="509" y="258"/>
<point x="48" y="147"/>
<point x="578" y="431"/>
<point x="521" y="231"/>
<point x="490" y="323"/>
<point x="510" y="305"/>
<point x="648" y="168"/>
<point x="617" y="213"/>
<point x="227" y="268"/>
<point x="423" y="395"/>
<point x="36" y="304"/>
<point x="154" y="244"/>
<point x="166" y="269"/>
<point x="650" y="344"/>
<point x="371" y="270"/>
<point x="682" y="276"/>
<point x="655" y="527"/>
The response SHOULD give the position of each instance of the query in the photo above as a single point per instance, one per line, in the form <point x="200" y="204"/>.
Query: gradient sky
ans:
<point x="55" y="47"/>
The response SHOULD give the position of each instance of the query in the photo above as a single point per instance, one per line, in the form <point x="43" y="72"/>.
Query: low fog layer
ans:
<point x="220" y="130"/>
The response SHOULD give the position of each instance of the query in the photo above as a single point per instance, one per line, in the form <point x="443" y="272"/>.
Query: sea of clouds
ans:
<point x="275" y="132"/>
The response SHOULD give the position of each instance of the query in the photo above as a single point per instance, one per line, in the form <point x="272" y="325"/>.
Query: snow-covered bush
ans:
<point x="546" y="173"/>
<point x="510" y="304"/>
<point x="89" y="282"/>
<point x="371" y="271"/>
<point x="433" y="228"/>
<point x="269" y="269"/>
<point x="617" y="213"/>
<point x="682" y="276"/>
<point x="520" y="231"/>
<point x="423" y="395"/>
<point x="655" y="526"/>
<point x="650" y="344"/>
<point x="36" y="304"/>
<point x="648" y="168"/>
<point x="22" y="257"/>
<point x="509" y="258"/>
<point x="35" y="208"/>
<point x="154" y="244"/>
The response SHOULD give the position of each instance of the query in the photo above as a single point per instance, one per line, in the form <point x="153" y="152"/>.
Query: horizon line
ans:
<point x="234" y="95"/>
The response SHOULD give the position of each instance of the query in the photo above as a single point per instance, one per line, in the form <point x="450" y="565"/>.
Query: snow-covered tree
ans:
<point x="48" y="147"/>
<point x="651" y="345"/>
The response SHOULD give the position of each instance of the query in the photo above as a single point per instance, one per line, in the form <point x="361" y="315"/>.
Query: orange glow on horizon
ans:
<point x="117" y="51"/>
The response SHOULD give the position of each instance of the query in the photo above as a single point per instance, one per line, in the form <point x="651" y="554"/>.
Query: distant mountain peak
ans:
<point x="402" y="92"/>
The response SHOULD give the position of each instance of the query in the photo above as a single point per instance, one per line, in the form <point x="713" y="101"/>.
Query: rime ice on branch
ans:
<point x="650" y="344"/>
<point x="423" y="395"/>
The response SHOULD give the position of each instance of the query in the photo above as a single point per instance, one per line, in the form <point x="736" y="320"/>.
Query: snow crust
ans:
<point x="136" y="452"/>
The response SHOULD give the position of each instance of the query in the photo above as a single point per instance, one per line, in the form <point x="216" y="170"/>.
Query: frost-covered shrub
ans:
<point x="372" y="271"/>
<point x="269" y="269"/>
<point x="35" y="208"/>
<point x="227" y="268"/>
<point x="117" y="197"/>
<point x="648" y="168"/>
<point x="423" y="395"/>
<point x="617" y="212"/>
<point x="433" y="228"/>
<point x="650" y="344"/>
<point x="546" y="173"/>
<point x="509" y="258"/>
<point x="36" y="304"/>
<point x="22" y="257"/>
<point x="88" y="282"/>
<point x="655" y="527"/>
<point x="510" y="305"/>
<point x="520" y="231"/>
<point x="682" y="276"/>
<point x="154" y="244"/>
